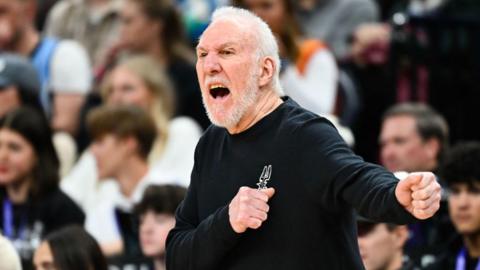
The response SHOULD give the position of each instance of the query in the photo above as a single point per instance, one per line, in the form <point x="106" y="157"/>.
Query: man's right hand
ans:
<point x="249" y="208"/>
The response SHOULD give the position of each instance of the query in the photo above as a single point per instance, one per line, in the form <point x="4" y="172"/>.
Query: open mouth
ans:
<point x="219" y="91"/>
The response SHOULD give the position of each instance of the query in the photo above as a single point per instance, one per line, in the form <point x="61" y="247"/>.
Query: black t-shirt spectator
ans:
<point x="27" y="223"/>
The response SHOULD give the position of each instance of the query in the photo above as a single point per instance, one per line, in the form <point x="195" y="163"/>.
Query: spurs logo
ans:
<point x="264" y="177"/>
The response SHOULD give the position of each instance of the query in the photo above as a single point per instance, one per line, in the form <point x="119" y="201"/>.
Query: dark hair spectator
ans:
<point x="461" y="171"/>
<point x="71" y="248"/>
<point x="33" y="204"/>
<point x="33" y="127"/>
<point x="161" y="199"/>
<point x="461" y="166"/>
<point x="156" y="213"/>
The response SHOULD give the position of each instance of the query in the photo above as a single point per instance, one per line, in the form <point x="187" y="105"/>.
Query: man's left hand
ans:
<point x="420" y="194"/>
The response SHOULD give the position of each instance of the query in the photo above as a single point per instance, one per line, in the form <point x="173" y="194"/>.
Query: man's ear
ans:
<point x="433" y="147"/>
<point x="131" y="143"/>
<point x="267" y="71"/>
<point x="401" y="235"/>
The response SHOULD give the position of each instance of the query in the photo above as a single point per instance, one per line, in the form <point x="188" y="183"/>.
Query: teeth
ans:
<point x="213" y="86"/>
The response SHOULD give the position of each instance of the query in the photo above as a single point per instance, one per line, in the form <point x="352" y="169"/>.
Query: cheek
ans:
<point x="24" y="160"/>
<point x="143" y="99"/>
<point x="162" y="230"/>
<point x="21" y="165"/>
<point x="476" y="206"/>
<point x="6" y="30"/>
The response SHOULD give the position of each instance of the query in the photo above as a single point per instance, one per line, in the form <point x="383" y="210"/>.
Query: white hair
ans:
<point x="267" y="44"/>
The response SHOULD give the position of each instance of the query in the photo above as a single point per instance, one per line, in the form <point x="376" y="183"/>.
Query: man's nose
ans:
<point x="211" y="64"/>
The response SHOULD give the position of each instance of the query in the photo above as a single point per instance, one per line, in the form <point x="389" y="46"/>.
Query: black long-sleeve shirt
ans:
<point x="318" y="183"/>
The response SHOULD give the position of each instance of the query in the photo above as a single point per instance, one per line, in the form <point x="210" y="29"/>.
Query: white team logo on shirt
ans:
<point x="264" y="177"/>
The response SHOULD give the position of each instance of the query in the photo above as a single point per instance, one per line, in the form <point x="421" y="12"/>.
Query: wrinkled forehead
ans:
<point x="223" y="31"/>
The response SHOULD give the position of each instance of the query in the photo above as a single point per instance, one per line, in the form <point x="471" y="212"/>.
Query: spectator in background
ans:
<point x="154" y="27"/>
<point x="70" y="248"/>
<point x="62" y="65"/>
<point x="19" y="83"/>
<point x="309" y="74"/>
<point x="140" y="81"/>
<point x="122" y="139"/>
<point x="381" y="246"/>
<point x="32" y="203"/>
<point x="413" y="138"/>
<point x="461" y="172"/>
<point x="335" y="21"/>
<point x="19" y="86"/>
<point x="8" y="255"/>
<point x="156" y="213"/>
<point x="93" y="23"/>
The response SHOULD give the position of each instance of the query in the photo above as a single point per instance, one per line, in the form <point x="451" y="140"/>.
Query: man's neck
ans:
<point x="27" y="42"/>
<point x="130" y="175"/>
<point x="472" y="243"/>
<point x="18" y="192"/>
<point x="263" y="107"/>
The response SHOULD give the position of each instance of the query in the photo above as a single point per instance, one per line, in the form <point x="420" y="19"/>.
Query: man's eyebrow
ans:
<point x="229" y="44"/>
<point x="221" y="46"/>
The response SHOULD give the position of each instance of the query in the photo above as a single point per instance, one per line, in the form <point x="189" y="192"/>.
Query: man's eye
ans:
<point x="201" y="54"/>
<point x="226" y="52"/>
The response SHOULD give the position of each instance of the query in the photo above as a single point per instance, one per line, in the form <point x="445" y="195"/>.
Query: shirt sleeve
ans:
<point x="343" y="180"/>
<point x="70" y="69"/>
<point x="195" y="244"/>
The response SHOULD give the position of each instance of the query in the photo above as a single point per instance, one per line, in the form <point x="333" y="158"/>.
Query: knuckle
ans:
<point x="244" y="198"/>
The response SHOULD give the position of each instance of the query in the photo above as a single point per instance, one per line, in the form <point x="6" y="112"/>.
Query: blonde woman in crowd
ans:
<point x="139" y="80"/>
<point x="155" y="28"/>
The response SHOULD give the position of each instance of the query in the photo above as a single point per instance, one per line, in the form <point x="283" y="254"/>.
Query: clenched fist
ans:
<point x="249" y="208"/>
<point x="419" y="193"/>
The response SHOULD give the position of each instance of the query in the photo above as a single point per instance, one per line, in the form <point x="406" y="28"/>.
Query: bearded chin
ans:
<point x="240" y="107"/>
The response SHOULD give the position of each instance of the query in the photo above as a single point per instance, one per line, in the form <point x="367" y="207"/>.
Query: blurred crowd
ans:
<point x="100" y="113"/>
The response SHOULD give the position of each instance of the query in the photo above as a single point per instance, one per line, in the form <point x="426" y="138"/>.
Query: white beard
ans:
<point x="239" y="108"/>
